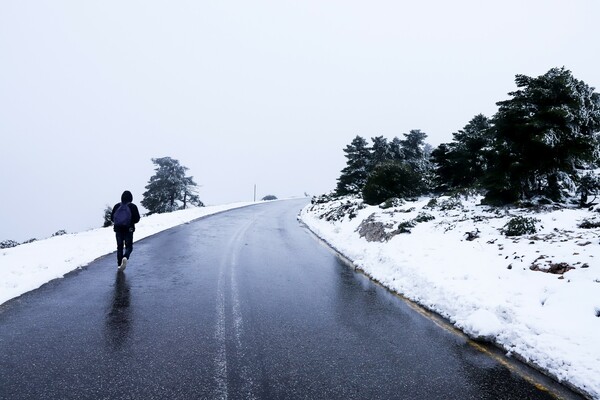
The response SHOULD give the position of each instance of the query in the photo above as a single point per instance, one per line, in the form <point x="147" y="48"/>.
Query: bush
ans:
<point x="424" y="217"/>
<point x="452" y="203"/>
<point x="107" y="217"/>
<point x="330" y="208"/>
<point x="587" y="224"/>
<point x="7" y="244"/>
<point x="348" y="209"/>
<point x="444" y="204"/>
<point x="391" y="202"/>
<point x="59" y="233"/>
<point x="406" y="226"/>
<point x="589" y="184"/>
<point x="323" y="199"/>
<point x="431" y="204"/>
<point x="520" y="226"/>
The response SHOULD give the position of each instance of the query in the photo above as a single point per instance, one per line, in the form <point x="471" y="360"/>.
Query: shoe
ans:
<point x="123" y="264"/>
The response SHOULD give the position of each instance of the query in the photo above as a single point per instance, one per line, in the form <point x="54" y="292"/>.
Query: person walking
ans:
<point x="124" y="217"/>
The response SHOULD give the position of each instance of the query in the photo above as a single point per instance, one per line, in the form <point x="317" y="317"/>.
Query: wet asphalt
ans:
<point x="246" y="304"/>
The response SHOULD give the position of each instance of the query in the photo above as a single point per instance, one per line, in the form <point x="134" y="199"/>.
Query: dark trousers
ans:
<point x="124" y="239"/>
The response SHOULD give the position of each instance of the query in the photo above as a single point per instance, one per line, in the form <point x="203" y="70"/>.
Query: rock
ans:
<point x="374" y="231"/>
<point x="557" y="268"/>
<point x="472" y="235"/>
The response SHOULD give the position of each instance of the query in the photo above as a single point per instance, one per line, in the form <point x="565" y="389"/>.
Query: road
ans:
<point x="246" y="304"/>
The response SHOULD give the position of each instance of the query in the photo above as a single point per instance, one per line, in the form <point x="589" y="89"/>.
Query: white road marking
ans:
<point x="220" y="336"/>
<point x="229" y="264"/>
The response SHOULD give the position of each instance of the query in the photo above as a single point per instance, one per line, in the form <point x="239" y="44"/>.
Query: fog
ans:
<point x="264" y="93"/>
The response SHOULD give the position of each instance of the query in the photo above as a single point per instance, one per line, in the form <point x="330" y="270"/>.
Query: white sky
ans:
<point x="247" y="92"/>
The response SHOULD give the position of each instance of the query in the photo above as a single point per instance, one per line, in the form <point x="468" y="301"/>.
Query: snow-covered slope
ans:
<point x="28" y="266"/>
<point x="485" y="286"/>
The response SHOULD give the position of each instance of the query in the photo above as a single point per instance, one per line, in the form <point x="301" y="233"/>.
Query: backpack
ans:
<point x="122" y="215"/>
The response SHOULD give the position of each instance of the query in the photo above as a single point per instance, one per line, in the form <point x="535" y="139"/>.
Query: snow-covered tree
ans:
<point x="395" y="149"/>
<point x="463" y="162"/>
<point x="363" y="162"/>
<point x="541" y="136"/>
<point x="380" y="152"/>
<point x="354" y="175"/>
<point x="414" y="150"/>
<point x="392" y="179"/>
<point x="168" y="187"/>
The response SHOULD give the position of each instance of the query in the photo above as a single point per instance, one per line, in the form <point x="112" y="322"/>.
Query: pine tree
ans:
<point x="189" y="194"/>
<point x="392" y="179"/>
<point x="380" y="152"/>
<point x="396" y="152"/>
<point x="417" y="155"/>
<point x="443" y="168"/>
<point x="354" y="175"/>
<point x="169" y="186"/>
<point x="413" y="149"/>
<point x="463" y="162"/>
<point x="363" y="165"/>
<point x="541" y="135"/>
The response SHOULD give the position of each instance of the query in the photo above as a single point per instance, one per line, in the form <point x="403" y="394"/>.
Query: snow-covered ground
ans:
<point x="28" y="266"/>
<point x="485" y="286"/>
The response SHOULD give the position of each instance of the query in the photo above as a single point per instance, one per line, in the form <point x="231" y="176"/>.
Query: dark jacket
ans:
<point x="127" y="198"/>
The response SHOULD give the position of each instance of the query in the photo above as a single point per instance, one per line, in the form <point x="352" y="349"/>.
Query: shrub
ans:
<point x="589" y="184"/>
<point x="451" y="203"/>
<point x="432" y="203"/>
<point x="323" y="199"/>
<point x="424" y="217"/>
<point x="107" y="217"/>
<point x="587" y="224"/>
<point x="406" y="226"/>
<point x="59" y="233"/>
<point x="391" y="202"/>
<point x="520" y="226"/>
<point x="444" y="204"/>
<point x="338" y="211"/>
<point x="7" y="244"/>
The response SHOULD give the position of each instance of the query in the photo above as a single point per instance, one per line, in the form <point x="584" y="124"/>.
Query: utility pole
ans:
<point x="255" y="192"/>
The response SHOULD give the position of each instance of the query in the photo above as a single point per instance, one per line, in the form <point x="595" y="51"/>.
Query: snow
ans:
<point x="29" y="266"/>
<point x="485" y="286"/>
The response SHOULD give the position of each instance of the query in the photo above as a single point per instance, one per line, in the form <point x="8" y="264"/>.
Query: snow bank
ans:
<point x="485" y="286"/>
<point x="28" y="266"/>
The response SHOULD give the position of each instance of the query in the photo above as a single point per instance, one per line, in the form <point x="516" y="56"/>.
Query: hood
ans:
<point x="126" y="197"/>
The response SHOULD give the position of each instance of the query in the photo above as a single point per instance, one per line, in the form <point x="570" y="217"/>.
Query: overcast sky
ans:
<point x="248" y="92"/>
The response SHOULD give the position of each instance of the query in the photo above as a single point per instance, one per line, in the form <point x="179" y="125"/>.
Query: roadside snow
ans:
<point x="28" y="266"/>
<point x="485" y="286"/>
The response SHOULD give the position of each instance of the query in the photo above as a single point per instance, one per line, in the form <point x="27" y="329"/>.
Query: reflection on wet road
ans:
<point x="118" y="327"/>
<point x="241" y="305"/>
